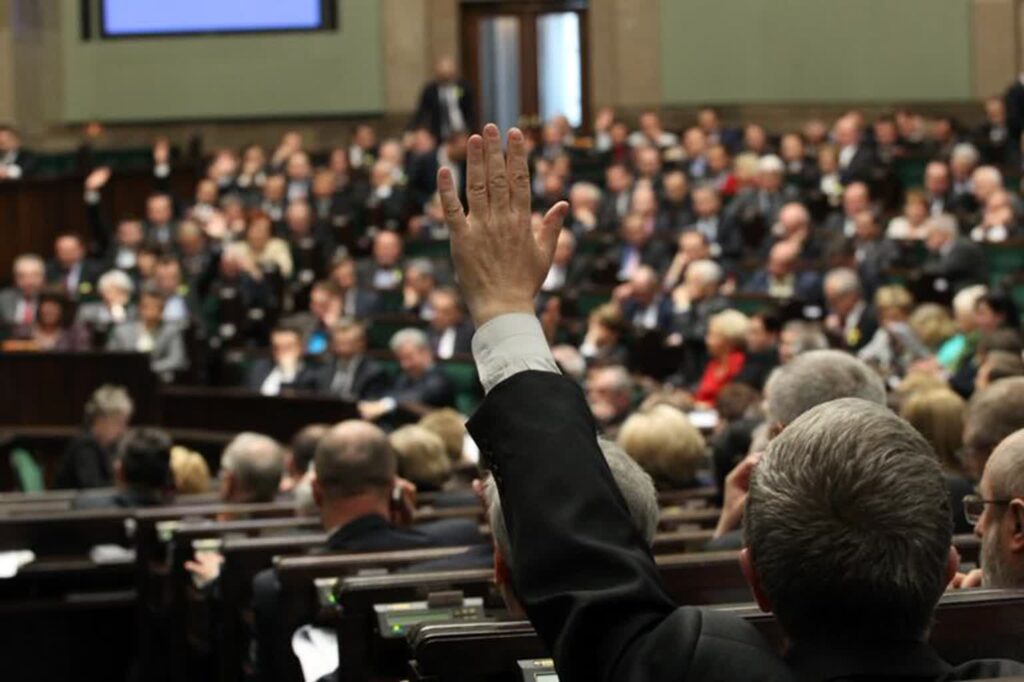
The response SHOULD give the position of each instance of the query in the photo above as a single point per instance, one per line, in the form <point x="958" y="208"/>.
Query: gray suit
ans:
<point x="168" y="354"/>
<point x="10" y="297"/>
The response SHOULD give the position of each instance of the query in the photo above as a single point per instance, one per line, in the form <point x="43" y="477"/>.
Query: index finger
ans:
<point x="519" y="172"/>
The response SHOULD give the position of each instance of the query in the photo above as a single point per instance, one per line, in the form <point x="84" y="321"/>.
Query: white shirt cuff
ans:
<point x="510" y="344"/>
<point x="92" y="196"/>
<point x="162" y="170"/>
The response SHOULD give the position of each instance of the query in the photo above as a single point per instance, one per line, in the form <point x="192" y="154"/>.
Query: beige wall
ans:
<point x="6" y="63"/>
<point x="625" y="63"/>
<point x="994" y="45"/>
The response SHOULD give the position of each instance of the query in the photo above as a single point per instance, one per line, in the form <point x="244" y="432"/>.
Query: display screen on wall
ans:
<point x="133" y="18"/>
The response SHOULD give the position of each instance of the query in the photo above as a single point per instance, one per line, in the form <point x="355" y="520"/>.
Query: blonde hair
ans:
<point x="450" y="427"/>
<point x="893" y="297"/>
<point x="422" y="457"/>
<point x="745" y="166"/>
<point x="932" y="324"/>
<point x="938" y="415"/>
<point x="191" y="473"/>
<point x="733" y="325"/>
<point x="665" y="444"/>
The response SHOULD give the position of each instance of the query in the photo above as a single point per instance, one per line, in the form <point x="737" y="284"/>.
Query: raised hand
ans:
<point x="97" y="179"/>
<point x="500" y="259"/>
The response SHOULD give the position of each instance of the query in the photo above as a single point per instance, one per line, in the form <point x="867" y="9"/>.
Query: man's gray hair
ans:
<point x="707" y="271"/>
<point x="966" y="300"/>
<point x="107" y="400"/>
<point x="117" y="279"/>
<point x="965" y="151"/>
<point x="1006" y="467"/>
<point x="848" y="523"/>
<point x="817" y="377"/>
<point x="809" y="336"/>
<point x="355" y="458"/>
<point x="590" y="191"/>
<point x="424" y="266"/>
<point x="843" y="281"/>
<point x="634" y="483"/>
<point x="409" y="336"/>
<point x="257" y="463"/>
<point x="992" y="415"/>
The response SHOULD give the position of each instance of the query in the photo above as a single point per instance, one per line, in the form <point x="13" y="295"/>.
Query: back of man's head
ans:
<point x="355" y="458"/>
<point x="255" y="464"/>
<point x="1000" y="526"/>
<point x="144" y="459"/>
<point x="816" y="377"/>
<point x="848" y="526"/>
<point x="634" y="483"/>
<point x="303" y="447"/>
<point x="992" y="415"/>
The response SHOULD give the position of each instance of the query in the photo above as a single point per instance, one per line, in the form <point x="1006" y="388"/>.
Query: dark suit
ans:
<point x="962" y="265"/>
<point x="654" y="254"/>
<point x="861" y="167"/>
<point x="604" y="614"/>
<point x="463" y="340"/>
<point x="755" y="211"/>
<point x="366" y="380"/>
<point x="862" y="332"/>
<point x="806" y="285"/>
<point x="432" y="113"/>
<point x="89" y="273"/>
<point x="635" y="314"/>
<point x="10" y="299"/>
<point x="21" y="159"/>
<point x="433" y="389"/>
<point x="371" y="533"/>
<point x="85" y="464"/>
<point x="307" y="378"/>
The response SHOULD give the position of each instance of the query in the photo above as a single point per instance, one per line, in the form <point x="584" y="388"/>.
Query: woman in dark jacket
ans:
<point x="88" y="460"/>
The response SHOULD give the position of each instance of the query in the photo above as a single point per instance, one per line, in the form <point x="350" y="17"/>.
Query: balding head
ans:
<point x="782" y="258"/>
<point x="992" y="415"/>
<point x="251" y="468"/>
<point x="816" y="377"/>
<point x="354" y="459"/>
<point x="1001" y="524"/>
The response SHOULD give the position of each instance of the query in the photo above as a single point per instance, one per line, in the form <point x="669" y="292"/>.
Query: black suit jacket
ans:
<point x="861" y="167"/>
<point x="604" y="613"/>
<point x="369" y="533"/>
<point x="432" y="114"/>
<point x="433" y="389"/>
<point x="963" y="265"/>
<point x="369" y="383"/>
<point x="85" y="464"/>
<point x="463" y="339"/>
<point x="307" y="379"/>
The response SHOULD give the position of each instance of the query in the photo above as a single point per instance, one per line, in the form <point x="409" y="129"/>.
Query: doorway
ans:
<point x="528" y="61"/>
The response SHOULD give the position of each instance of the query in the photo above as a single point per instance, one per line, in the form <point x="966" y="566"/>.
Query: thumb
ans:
<point x="547" y="233"/>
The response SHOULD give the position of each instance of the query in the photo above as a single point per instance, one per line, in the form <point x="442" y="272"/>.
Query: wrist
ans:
<point x="484" y="311"/>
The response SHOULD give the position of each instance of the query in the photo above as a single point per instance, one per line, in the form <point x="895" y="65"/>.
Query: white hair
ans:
<point x="117" y="279"/>
<point x="707" y="271"/>
<point x="816" y="377"/>
<point x="966" y="300"/>
<point x="409" y="336"/>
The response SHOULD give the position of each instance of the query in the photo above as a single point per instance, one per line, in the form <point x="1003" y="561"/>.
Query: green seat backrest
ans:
<point x="27" y="471"/>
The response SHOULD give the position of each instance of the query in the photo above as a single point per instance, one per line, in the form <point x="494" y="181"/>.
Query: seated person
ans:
<point x="998" y="364"/>
<point x="348" y="373"/>
<point x="298" y="461"/>
<point x="420" y="282"/>
<point x="19" y="303"/>
<point x="665" y="445"/>
<point x="421" y="385"/>
<point x="450" y="334"/>
<point x="251" y="468"/>
<point x="642" y="302"/>
<point x="264" y="249"/>
<point x="167" y="278"/>
<point x="567" y="269"/>
<point x="992" y="415"/>
<point x="286" y="370"/>
<point x="997" y="513"/>
<point x="113" y="308"/>
<point x="163" y="341"/>
<point x="356" y="480"/>
<point x="763" y="336"/>
<point x="955" y="259"/>
<point x="422" y="459"/>
<point x="603" y="342"/>
<point x="781" y="279"/>
<point x="71" y="268"/>
<point x="726" y="343"/>
<point x="88" y="460"/>
<point x="53" y="330"/>
<point x="610" y="397"/>
<point x="999" y="221"/>
<point x="384" y="270"/>
<point x="850" y="320"/>
<point x="190" y="471"/>
<point x="356" y="301"/>
<point x="894" y="347"/>
<point x="637" y="491"/>
<point x="142" y="473"/>
<point x="912" y="225"/>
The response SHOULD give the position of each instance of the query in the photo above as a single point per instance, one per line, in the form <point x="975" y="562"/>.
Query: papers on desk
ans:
<point x="10" y="562"/>
<point x="317" y="651"/>
<point x="111" y="554"/>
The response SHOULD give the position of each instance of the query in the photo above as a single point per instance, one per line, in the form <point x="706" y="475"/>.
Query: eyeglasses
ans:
<point x="974" y="506"/>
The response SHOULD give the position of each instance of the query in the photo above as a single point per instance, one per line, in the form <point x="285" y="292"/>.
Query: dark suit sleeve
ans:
<point x="270" y="656"/>
<point x="579" y="565"/>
